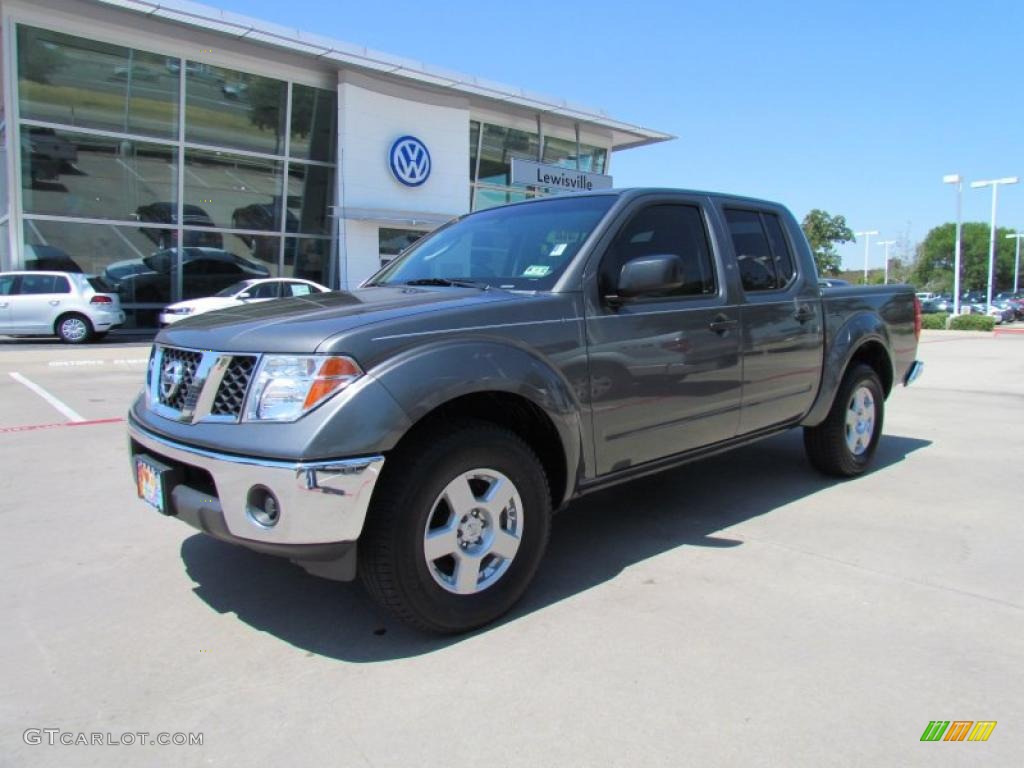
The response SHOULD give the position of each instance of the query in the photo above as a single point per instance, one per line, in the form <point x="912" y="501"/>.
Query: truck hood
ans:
<point x="300" y="325"/>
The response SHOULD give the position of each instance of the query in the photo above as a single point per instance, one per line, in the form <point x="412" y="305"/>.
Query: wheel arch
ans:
<point x="863" y="339"/>
<point x="497" y="382"/>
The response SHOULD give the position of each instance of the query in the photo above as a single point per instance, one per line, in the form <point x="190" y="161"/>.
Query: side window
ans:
<point x="266" y="291"/>
<point x="61" y="285"/>
<point x="762" y="253"/>
<point x="36" y="284"/>
<point x="663" y="229"/>
<point x="7" y="285"/>
<point x="299" y="289"/>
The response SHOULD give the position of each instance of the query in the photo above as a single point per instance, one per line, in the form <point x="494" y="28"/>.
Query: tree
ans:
<point x="823" y="233"/>
<point x="933" y="270"/>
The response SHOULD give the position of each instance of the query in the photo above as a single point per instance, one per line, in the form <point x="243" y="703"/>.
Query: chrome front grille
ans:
<point x="191" y="386"/>
<point x="231" y="392"/>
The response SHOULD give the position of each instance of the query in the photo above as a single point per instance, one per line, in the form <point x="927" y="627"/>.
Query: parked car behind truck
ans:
<point x="420" y="430"/>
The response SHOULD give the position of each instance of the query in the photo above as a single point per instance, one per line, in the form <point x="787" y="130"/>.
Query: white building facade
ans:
<point x="174" y="149"/>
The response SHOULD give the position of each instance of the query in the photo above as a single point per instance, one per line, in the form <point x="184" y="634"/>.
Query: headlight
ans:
<point x="286" y="387"/>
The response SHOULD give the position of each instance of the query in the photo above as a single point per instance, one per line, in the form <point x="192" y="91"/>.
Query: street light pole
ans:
<point x="886" y="244"/>
<point x="954" y="178"/>
<point x="1016" y="263"/>
<point x="867" y="239"/>
<point x="994" y="183"/>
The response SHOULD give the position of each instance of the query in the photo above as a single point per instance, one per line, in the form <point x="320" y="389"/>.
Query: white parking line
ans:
<point x="128" y="168"/>
<point x="35" y="229"/>
<point x="127" y="242"/>
<point x="197" y="177"/>
<point x="71" y="413"/>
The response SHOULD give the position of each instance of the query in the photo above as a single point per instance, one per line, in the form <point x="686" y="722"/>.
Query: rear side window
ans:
<point x="658" y="230"/>
<point x="764" y="258"/>
<point x="36" y="284"/>
<point x="300" y="289"/>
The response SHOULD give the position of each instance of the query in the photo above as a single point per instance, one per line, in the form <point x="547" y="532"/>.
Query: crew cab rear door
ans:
<point x="781" y="315"/>
<point x="664" y="368"/>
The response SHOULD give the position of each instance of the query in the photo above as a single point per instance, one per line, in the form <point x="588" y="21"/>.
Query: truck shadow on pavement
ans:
<point x="592" y="542"/>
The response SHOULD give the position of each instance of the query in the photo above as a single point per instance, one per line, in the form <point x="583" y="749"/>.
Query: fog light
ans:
<point x="262" y="507"/>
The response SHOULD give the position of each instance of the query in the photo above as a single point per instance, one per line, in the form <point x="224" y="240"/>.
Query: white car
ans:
<point x="73" y="306"/>
<point x="243" y="292"/>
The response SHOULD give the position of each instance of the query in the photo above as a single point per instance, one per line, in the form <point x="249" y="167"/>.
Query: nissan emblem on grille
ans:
<point x="171" y="378"/>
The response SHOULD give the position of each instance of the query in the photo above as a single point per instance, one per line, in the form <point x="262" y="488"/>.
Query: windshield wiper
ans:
<point x="445" y="282"/>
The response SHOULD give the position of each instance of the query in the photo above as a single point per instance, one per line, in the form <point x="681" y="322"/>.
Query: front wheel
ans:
<point x="457" y="529"/>
<point x="844" y="444"/>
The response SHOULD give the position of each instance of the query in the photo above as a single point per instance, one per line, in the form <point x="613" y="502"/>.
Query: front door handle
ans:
<point x="721" y="324"/>
<point x="803" y="313"/>
<point x="54" y="302"/>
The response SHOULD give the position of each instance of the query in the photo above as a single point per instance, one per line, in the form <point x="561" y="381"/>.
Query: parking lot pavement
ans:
<point x="739" y="611"/>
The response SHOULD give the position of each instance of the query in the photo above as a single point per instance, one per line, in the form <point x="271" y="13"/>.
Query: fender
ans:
<point x="423" y="378"/>
<point x="860" y="329"/>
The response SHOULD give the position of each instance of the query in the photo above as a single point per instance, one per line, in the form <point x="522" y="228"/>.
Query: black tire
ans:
<point x="392" y="561"/>
<point x="74" y="328"/>
<point x="828" y="444"/>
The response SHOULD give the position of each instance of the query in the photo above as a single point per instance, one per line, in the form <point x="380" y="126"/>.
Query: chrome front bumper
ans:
<point x="320" y="502"/>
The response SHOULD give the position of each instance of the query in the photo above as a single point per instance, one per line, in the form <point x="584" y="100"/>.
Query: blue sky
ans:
<point x="859" y="108"/>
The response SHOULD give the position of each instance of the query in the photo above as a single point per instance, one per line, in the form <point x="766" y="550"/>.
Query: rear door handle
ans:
<point x="721" y="324"/>
<point x="54" y="302"/>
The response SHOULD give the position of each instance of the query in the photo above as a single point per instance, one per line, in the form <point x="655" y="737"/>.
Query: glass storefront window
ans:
<point x="308" y="258"/>
<point x="498" y="148"/>
<point x="314" y="115"/>
<point x="310" y="196"/>
<point x="474" y="141"/>
<point x="562" y="153"/>
<point x="85" y="83"/>
<point x="226" y="108"/>
<point x="95" y="177"/>
<point x="391" y="242"/>
<point x="488" y="198"/>
<point x="234" y="191"/>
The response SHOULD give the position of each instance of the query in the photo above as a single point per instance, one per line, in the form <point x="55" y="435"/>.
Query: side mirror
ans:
<point x="650" y="274"/>
<point x="245" y="296"/>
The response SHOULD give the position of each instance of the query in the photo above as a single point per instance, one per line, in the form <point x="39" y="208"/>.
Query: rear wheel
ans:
<point x="457" y="528"/>
<point x="844" y="444"/>
<point x="74" y="329"/>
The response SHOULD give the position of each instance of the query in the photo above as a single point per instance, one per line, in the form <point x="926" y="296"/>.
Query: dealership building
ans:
<point x="175" y="148"/>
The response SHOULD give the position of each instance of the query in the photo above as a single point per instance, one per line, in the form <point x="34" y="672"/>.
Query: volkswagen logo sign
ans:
<point x="410" y="161"/>
<point x="170" y="378"/>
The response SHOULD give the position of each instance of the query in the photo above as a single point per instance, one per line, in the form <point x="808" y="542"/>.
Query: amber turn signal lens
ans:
<point x="334" y="373"/>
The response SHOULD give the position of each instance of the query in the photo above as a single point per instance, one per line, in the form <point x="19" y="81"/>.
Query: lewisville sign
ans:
<point x="555" y="177"/>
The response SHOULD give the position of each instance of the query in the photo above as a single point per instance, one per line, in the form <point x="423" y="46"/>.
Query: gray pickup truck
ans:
<point x="420" y="431"/>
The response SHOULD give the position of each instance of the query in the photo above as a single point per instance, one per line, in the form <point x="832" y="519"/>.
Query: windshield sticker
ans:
<point x="537" y="270"/>
<point x="558" y="250"/>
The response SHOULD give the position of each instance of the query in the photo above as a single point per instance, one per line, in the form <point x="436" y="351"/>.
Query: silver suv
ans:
<point x="76" y="307"/>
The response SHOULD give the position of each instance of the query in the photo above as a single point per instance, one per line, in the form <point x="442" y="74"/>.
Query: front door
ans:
<point x="781" y="316"/>
<point x="664" y="369"/>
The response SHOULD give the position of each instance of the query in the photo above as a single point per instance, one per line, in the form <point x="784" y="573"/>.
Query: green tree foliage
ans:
<point x="933" y="270"/>
<point x="823" y="233"/>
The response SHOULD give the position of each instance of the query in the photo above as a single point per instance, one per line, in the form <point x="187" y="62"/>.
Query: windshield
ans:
<point x="234" y="288"/>
<point x="524" y="247"/>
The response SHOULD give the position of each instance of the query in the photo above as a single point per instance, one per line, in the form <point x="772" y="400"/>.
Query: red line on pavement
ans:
<point x="36" y="427"/>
